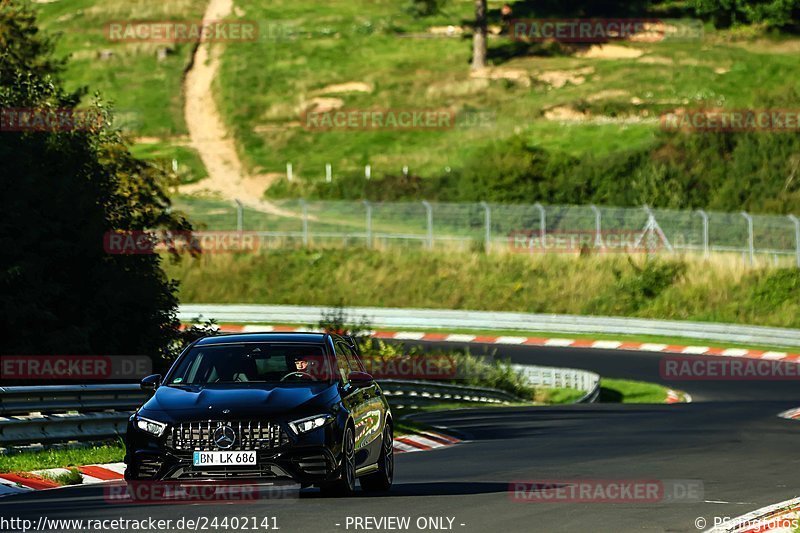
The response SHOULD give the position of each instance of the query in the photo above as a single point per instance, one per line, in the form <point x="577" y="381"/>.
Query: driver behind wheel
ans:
<point x="301" y="364"/>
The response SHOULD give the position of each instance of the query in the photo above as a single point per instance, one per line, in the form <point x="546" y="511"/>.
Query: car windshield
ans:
<point x="252" y="363"/>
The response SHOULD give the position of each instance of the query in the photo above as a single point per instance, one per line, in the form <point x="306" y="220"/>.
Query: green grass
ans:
<point x="146" y="92"/>
<point x="72" y="477"/>
<point x="559" y="396"/>
<point x="61" y="458"/>
<point x="359" y="42"/>
<point x="263" y="85"/>
<point x="190" y="166"/>
<point x="625" y="391"/>
<point x="669" y="289"/>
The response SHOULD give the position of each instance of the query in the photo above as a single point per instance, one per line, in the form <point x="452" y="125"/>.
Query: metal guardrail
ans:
<point x="403" y="393"/>
<point x="66" y="398"/>
<point x="557" y="378"/>
<point x="50" y="414"/>
<point x="490" y="320"/>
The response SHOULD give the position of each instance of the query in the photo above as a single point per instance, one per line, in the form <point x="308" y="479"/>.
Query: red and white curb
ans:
<point x="791" y="414"/>
<point x="423" y="442"/>
<point x="38" y="479"/>
<point x="781" y="517"/>
<point x="676" y="397"/>
<point x="538" y="341"/>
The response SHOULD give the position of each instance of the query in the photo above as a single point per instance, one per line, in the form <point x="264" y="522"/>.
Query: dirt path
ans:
<point x="227" y="176"/>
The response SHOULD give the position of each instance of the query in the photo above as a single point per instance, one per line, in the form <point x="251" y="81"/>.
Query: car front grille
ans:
<point x="250" y="435"/>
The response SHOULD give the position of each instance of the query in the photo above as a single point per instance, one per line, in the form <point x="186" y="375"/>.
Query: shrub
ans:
<point x="423" y="8"/>
<point x="726" y="13"/>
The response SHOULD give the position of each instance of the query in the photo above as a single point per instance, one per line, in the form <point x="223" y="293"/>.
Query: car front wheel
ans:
<point x="381" y="481"/>
<point x="346" y="484"/>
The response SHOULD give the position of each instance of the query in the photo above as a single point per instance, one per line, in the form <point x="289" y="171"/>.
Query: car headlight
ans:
<point x="304" y="425"/>
<point x="150" y="426"/>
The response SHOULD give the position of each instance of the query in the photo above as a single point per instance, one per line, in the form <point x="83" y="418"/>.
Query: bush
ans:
<point x="423" y="8"/>
<point x="775" y="289"/>
<point x="726" y="13"/>
<point x="637" y="286"/>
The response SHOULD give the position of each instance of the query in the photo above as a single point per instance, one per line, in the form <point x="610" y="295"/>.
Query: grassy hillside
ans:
<point x="583" y="121"/>
<point x="145" y="90"/>
<point x="559" y="124"/>
<point x="690" y="290"/>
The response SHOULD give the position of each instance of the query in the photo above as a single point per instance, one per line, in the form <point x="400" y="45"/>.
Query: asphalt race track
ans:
<point x="729" y="439"/>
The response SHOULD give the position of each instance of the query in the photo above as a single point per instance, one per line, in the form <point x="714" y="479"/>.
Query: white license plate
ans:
<point x="224" y="458"/>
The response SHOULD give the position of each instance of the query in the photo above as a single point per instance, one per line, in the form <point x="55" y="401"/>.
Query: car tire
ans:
<point x="346" y="485"/>
<point x="381" y="481"/>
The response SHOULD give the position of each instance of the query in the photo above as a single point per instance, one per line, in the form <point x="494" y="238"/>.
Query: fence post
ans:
<point x="649" y="226"/>
<point x="368" y="205"/>
<point x="542" y="223"/>
<point x="704" y="215"/>
<point x="796" y="237"/>
<point x="487" y="237"/>
<point x="289" y="171"/>
<point x="750" y="239"/>
<point x="328" y="172"/>
<point x="368" y="171"/>
<point x="305" y="222"/>
<point x="598" y="219"/>
<point x="239" y="215"/>
<point x="429" y="211"/>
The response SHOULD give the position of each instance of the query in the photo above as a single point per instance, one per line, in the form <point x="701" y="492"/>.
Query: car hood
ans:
<point x="232" y="402"/>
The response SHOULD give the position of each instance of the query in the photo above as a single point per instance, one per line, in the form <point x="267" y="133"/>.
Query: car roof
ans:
<point x="315" y="338"/>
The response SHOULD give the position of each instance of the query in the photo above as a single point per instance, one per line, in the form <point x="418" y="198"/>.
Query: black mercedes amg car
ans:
<point x="265" y="406"/>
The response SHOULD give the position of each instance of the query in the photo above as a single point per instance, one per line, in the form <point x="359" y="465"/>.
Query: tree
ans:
<point x="725" y="13"/>
<point x="479" y="37"/>
<point x="62" y="191"/>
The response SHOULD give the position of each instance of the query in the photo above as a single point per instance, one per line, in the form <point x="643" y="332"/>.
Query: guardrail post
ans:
<point x="796" y="237"/>
<point x="598" y="219"/>
<point x="704" y="215"/>
<point x="542" y="223"/>
<point x="368" y="205"/>
<point x="239" y="215"/>
<point x="487" y="237"/>
<point x="429" y="211"/>
<point x="305" y="222"/>
<point x="750" y="238"/>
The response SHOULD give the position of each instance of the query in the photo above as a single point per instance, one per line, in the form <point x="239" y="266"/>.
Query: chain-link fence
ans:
<point x="532" y="229"/>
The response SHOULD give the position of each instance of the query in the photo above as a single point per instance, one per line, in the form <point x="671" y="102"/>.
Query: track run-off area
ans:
<point x="730" y="442"/>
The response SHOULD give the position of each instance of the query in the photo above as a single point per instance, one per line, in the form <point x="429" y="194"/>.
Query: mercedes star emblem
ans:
<point x="224" y="437"/>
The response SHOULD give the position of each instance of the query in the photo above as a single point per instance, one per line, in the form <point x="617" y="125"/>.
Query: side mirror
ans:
<point x="151" y="383"/>
<point x="360" y="379"/>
